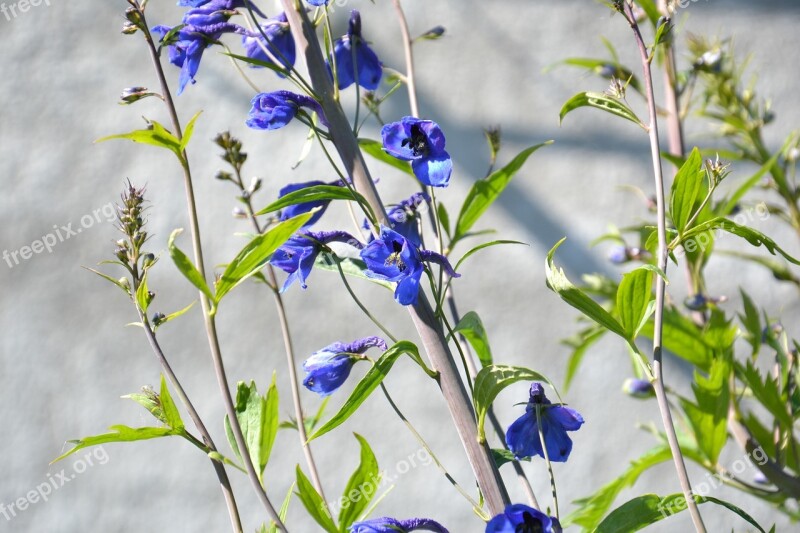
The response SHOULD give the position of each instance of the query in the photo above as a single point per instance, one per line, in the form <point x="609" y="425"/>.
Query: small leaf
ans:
<point x="375" y="150"/>
<point x="490" y="381"/>
<point x="258" y="63"/>
<point x="471" y="327"/>
<point x="269" y="423"/>
<point x="754" y="237"/>
<point x="314" y="503"/>
<point x="351" y="267"/>
<point x="361" y="487"/>
<point x="686" y="188"/>
<point x="149" y="401"/>
<point x="176" y="314"/>
<point x="119" y="434"/>
<point x="171" y="414"/>
<point x="580" y="344"/>
<point x="502" y="456"/>
<point x="142" y="295"/>
<point x="273" y="527"/>
<point x="633" y="298"/>
<point x="257" y="252"/>
<point x="481" y="247"/>
<point x="557" y="282"/>
<point x="600" y="101"/>
<point x="313" y="193"/>
<point x="444" y="219"/>
<point x="370" y="382"/>
<point x="112" y="280"/>
<point x="709" y="417"/>
<point x="682" y="337"/>
<point x="156" y="135"/>
<point x="188" y="131"/>
<point x="186" y="266"/>
<point x="484" y="192"/>
<point x="258" y="418"/>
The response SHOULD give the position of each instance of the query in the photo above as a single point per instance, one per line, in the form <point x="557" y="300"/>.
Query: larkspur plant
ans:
<point x="731" y="395"/>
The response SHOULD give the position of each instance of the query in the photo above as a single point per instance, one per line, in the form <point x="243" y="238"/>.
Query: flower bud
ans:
<point x="638" y="388"/>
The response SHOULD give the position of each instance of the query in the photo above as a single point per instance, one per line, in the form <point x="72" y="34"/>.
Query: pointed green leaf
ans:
<point x="580" y="344"/>
<point x="258" y="417"/>
<point x="142" y="295"/>
<point x="369" y="383"/>
<point x="471" y="327"/>
<point x="313" y="193"/>
<point x="171" y="413"/>
<point x="188" y="132"/>
<point x="484" y="192"/>
<point x="754" y="237"/>
<point x="112" y="280"/>
<point x="481" y="247"/>
<point x="444" y="219"/>
<point x="502" y="456"/>
<point x="375" y="150"/>
<point x="258" y="63"/>
<point x="257" y="252"/>
<point x="155" y="135"/>
<point x="273" y="527"/>
<point x="186" y="266"/>
<point x="600" y="101"/>
<point x="176" y="314"/>
<point x="633" y="298"/>
<point x="490" y="381"/>
<point x="682" y="337"/>
<point x="270" y="421"/>
<point x="361" y="487"/>
<point x="119" y="434"/>
<point x="709" y="416"/>
<point x="688" y="183"/>
<point x="557" y="282"/>
<point x="351" y="266"/>
<point x="314" y="503"/>
<point x="149" y="400"/>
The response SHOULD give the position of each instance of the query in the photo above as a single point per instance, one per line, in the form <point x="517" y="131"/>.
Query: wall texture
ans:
<point x="66" y="356"/>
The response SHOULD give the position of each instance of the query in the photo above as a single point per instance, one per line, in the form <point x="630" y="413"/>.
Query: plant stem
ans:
<point x="547" y="457"/>
<point x="661" y="396"/>
<point x="210" y="323"/>
<point x="422" y="315"/>
<point x="219" y="468"/>
<point x="409" y="53"/>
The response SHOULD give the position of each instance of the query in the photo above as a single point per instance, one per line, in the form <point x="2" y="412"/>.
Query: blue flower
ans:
<point x="619" y="255"/>
<point x="279" y="43"/>
<point x="297" y="255"/>
<point x="422" y="143"/>
<point x="405" y="217"/>
<point x="522" y="436"/>
<point x="518" y="518"/>
<point x="638" y="388"/>
<point x="299" y="209"/>
<point x="392" y="525"/>
<point x="220" y="4"/>
<point x="392" y="257"/>
<point x="328" y="368"/>
<point x="317" y="2"/>
<point x="355" y="60"/>
<point x="271" y="111"/>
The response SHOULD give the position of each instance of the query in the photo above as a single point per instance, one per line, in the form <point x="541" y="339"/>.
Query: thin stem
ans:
<point x="210" y="323"/>
<point x="429" y="329"/>
<point x="661" y="396"/>
<point x="547" y="457"/>
<point x="222" y="474"/>
<point x="289" y="349"/>
<point x="409" y="53"/>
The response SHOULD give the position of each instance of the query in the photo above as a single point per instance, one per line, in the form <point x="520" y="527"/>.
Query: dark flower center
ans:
<point x="530" y="524"/>
<point x="394" y="258"/>
<point x="418" y="142"/>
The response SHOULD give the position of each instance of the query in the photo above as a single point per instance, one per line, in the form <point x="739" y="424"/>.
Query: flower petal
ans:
<point x="394" y="136"/>
<point x="433" y="171"/>
<point x="522" y="436"/>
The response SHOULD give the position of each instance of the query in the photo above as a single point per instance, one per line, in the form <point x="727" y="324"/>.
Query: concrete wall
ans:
<point x="66" y="356"/>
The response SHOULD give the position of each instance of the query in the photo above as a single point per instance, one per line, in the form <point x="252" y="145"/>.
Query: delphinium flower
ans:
<point x="328" y="368"/>
<point x="317" y="2"/>
<point x="297" y="255"/>
<point x="519" y="518"/>
<point x="271" y="111"/>
<point x="279" y="43"/>
<point x="299" y="209"/>
<point x="355" y="60"/>
<point x="203" y="26"/>
<point x="523" y="438"/>
<point x="223" y="4"/>
<point x="392" y="257"/>
<point x="421" y="142"/>
<point x="392" y="525"/>
<point x="638" y="388"/>
<point x="404" y="217"/>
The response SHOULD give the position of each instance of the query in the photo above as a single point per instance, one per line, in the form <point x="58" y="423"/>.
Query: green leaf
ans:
<point x="471" y="327"/>
<point x="490" y="381"/>
<point x="580" y="344"/>
<point x="444" y="219"/>
<point x="642" y="511"/>
<point x="258" y="417"/>
<point x="754" y="237"/>
<point x="767" y="392"/>
<point x="155" y="135"/>
<point x="270" y="421"/>
<point x="314" y="193"/>
<point x="709" y="417"/>
<point x="688" y="183"/>
<point x="633" y="298"/>
<point x="557" y="282"/>
<point x="189" y="131"/>
<point x="176" y="314"/>
<point x="273" y="527"/>
<point x="601" y="67"/>
<point x="258" y="63"/>
<point x="651" y="9"/>
<point x="484" y="192"/>
<point x="257" y="252"/>
<point x="112" y="280"/>
<point x="171" y="414"/>
<point x="360" y="488"/>
<point x="314" y="503"/>
<point x="682" y="337"/>
<point x="599" y="101"/>
<point x="375" y="150"/>
<point x="351" y="267"/>
<point x="731" y="203"/>
<point x="119" y="434"/>
<point x="369" y="383"/>
<point x="502" y="456"/>
<point x="591" y="510"/>
<point x="751" y="322"/>
<point x="481" y="247"/>
<point x="142" y="295"/>
<point x="186" y="266"/>
<point x="149" y="400"/>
